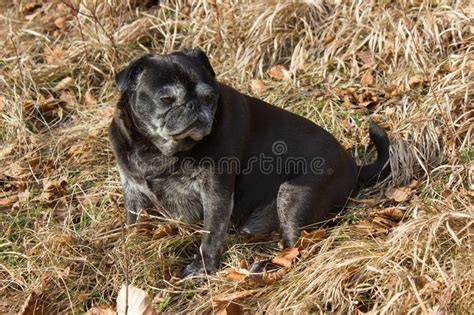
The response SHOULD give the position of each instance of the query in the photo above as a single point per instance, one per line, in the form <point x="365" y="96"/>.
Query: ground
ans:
<point x="404" y="245"/>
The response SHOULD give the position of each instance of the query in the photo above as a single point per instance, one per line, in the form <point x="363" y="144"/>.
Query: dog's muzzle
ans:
<point x="197" y="125"/>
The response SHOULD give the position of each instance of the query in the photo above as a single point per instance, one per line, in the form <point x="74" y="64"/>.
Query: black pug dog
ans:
<point x="199" y="150"/>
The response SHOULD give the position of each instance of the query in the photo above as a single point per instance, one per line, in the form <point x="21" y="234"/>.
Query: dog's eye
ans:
<point x="168" y="100"/>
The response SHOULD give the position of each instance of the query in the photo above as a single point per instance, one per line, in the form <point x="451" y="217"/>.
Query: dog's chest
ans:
<point x="177" y="188"/>
<point x="180" y="195"/>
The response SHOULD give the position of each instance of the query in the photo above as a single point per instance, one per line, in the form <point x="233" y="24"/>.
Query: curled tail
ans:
<point x="380" y="169"/>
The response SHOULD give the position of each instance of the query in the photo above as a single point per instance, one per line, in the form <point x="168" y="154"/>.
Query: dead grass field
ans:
<point x="404" y="246"/>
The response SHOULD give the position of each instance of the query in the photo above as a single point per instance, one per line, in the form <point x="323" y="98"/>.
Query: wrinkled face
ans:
<point x="172" y="97"/>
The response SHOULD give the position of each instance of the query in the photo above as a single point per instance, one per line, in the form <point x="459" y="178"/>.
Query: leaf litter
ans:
<point x="408" y="77"/>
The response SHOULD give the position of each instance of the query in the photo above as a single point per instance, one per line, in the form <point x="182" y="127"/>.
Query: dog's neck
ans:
<point x="172" y="147"/>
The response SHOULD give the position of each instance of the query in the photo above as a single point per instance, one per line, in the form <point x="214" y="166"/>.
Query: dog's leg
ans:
<point x="218" y="202"/>
<point x="262" y="220"/>
<point x="135" y="197"/>
<point x="301" y="201"/>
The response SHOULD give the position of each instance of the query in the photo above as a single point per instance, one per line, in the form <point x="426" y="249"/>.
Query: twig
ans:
<point x="125" y="253"/>
<point x="97" y="21"/>
<point x="80" y="25"/>
<point x="18" y="59"/>
<point x="426" y="74"/>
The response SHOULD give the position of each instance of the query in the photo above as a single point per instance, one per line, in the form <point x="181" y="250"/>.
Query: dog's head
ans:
<point x="172" y="98"/>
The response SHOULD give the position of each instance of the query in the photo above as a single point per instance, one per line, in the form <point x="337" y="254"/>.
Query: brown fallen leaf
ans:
<point x="348" y="146"/>
<point x="347" y="102"/>
<point x="94" y="133"/>
<point x="368" y="66"/>
<point x="387" y="223"/>
<point x="306" y="82"/>
<point x="18" y="170"/>
<point x="366" y="104"/>
<point x="88" y="99"/>
<point x="229" y="309"/>
<point x="67" y="97"/>
<point x="309" y="238"/>
<point x="78" y="149"/>
<point x="163" y="230"/>
<point x="137" y="301"/>
<point x="64" y="83"/>
<point x="81" y="152"/>
<point x="257" y="237"/>
<point x="427" y="285"/>
<point x="60" y="22"/>
<point x="2" y="103"/>
<point x="49" y="104"/>
<point x="367" y="57"/>
<point x="367" y="78"/>
<point x="53" y="55"/>
<point x="279" y="72"/>
<point x="329" y="39"/>
<point x="286" y="257"/>
<point x="186" y="10"/>
<point x="243" y="264"/>
<point x="106" y="111"/>
<point x="58" y="185"/>
<point x="53" y="188"/>
<point x="229" y="297"/>
<point x="101" y="310"/>
<point x="7" y="201"/>
<point x="237" y="275"/>
<point x="413" y="184"/>
<point x="30" y="7"/>
<point x="256" y="277"/>
<point x="258" y="87"/>
<point x="144" y="225"/>
<point x="391" y="213"/>
<point x="399" y="194"/>
<point x="34" y="304"/>
<point x="267" y="278"/>
<point x="416" y="80"/>
<point x="29" y="105"/>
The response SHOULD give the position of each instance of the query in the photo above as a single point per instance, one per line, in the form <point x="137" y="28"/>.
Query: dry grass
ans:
<point x="411" y="61"/>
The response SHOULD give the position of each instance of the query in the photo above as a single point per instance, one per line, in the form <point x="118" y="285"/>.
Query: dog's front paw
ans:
<point x="192" y="270"/>
<point x="196" y="269"/>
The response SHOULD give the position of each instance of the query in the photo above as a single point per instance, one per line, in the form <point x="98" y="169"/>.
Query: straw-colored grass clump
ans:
<point x="402" y="246"/>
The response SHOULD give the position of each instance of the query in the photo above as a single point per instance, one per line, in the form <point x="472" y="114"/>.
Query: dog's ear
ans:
<point x="200" y="56"/>
<point x="127" y="77"/>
